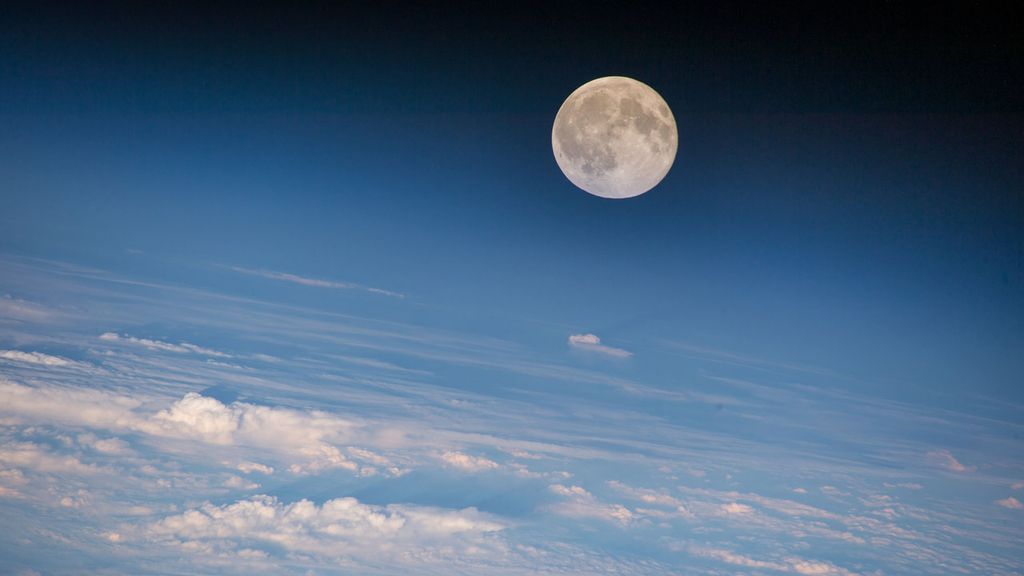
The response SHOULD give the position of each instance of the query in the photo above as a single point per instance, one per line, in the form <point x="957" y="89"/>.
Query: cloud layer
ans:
<point x="202" y="433"/>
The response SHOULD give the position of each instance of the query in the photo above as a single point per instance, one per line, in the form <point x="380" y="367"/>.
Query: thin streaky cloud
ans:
<point x="149" y="344"/>
<point x="791" y="565"/>
<point x="592" y="343"/>
<point x="33" y="358"/>
<point x="736" y="359"/>
<point x="21" y="310"/>
<point x="315" y="282"/>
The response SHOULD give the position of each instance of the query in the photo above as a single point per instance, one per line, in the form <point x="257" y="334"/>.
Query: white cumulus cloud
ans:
<point x="308" y="441"/>
<point x="468" y="463"/>
<point x="339" y="528"/>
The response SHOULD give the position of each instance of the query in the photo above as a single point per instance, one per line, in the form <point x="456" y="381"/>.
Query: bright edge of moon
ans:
<point x="614" y="137"/>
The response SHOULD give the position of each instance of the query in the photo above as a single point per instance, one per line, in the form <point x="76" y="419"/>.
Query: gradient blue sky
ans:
<point x="255" y="258"/>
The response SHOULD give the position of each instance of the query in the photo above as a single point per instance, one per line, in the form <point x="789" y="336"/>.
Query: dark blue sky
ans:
<point x="847" y="190"/>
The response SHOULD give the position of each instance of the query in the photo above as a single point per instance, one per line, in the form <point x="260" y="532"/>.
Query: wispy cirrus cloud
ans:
<point x="592" y="343"/>
<point x="315" y="282"/>
<point x="736" y="359"/>
<point x="150" y="344"/>
<point x="23" y="310"/>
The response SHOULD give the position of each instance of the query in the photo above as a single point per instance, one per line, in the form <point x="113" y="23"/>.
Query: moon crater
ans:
<point x="614" y="137"/>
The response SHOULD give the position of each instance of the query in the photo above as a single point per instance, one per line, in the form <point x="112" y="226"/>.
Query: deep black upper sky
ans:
<point x="870" y="57"/>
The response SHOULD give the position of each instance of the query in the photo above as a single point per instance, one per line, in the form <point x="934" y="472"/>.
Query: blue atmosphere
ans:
<point x="305" y="292"/>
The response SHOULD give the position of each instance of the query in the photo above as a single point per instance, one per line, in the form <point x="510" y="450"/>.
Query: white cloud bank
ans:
<point x="340" y="528"/>
<point x="306" y="441"/>
<point x="591" y="343"/>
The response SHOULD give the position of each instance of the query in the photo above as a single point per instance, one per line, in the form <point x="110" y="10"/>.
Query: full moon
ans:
<point x="614" y="137"/>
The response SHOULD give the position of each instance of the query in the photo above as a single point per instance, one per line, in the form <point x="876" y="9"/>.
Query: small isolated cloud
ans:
<point x="468" y="463"/>
<point x="315" y="282"/>
<point x="1011" y="503"/>
<point x="591" y="343"/>
<point x="572" y="491"/>
<point x="180" y="348"/>
<point x="1017" y="485"/>
<point x="250" y="467"/>
<point x="944" y="459"/>
<point x="736" y="508"/>
<point x="33" y="358"/>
